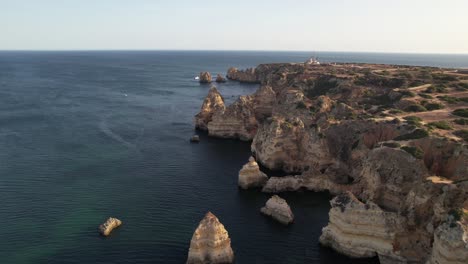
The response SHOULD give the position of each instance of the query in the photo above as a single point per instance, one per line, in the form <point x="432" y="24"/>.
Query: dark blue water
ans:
<point x="88" y="135"/>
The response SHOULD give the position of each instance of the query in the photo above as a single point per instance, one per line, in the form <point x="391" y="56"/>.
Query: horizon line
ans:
<point x="230" y="50"/>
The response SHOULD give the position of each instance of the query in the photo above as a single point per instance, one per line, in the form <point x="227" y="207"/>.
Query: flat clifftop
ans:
<point x="392" y="138"/>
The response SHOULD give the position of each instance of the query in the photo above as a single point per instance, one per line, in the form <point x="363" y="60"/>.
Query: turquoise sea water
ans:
<point x="88" y="135"/>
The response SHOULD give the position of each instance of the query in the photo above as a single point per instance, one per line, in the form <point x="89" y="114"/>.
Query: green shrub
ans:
<point x="461" y="121"/>
<point x="461" y="86"/>
<point x="423" y="95"/>
<point x="433" y="106"/>
<point x="462" y="133"/>
<point x="440" y="125"/>
<point x="321" y="86"/>
<point x="413" y="120"/>
<point x="448" y="99"/>
<point x="395" y="111"/>
<point x="407" y="94"/>
<point x="301" y="105"/>
<point x="463" y="99"/>
<point x="444" y="77"/>
<point x="463" y="112"/>
<point x="415" y="108"/>
<point x="392" y="144"/>
<point x="416" y="134"/>
<point x="415" y="151"/>
<point x="456" y="214"/>
<point x="436" y="89"/>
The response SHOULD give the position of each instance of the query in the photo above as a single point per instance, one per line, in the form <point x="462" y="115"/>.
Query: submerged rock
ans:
<point x="205" y="77"/>
<point x="278" y="209"/>
<point x="106" y="228"/>
<point x="213" y="103"/>
<point x="210" y="243"/>
<point x="250" y="175"/>
<point x="220" y="79"/>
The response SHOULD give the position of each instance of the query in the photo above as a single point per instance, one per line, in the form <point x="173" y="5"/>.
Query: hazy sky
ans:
<point x="439" y="26"/>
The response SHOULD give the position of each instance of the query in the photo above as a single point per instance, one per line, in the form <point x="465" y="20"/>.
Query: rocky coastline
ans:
<point x="388" y="141"/>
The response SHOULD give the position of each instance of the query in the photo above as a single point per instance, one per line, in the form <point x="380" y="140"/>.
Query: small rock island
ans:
<point x="278" y="209"/>
<point x="250" y="175"/>
<point x="111" y="223"/>
<point x="210" y="243"/>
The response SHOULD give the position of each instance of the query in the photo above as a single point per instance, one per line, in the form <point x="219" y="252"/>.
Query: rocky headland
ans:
<point x="390" y="142"/>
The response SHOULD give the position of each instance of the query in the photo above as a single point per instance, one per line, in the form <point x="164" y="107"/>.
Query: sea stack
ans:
<point x="205" y="77"/>
<point x="111" y="223"/>
<point x="210" y="243"/>
<point x="250" y="175"/>
<point x="278" y="209"/>
<point x="220" y="79"/>
<point x="213" y="103"/>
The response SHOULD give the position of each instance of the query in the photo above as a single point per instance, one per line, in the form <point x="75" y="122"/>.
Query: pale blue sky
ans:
<point x="433" y="26"/>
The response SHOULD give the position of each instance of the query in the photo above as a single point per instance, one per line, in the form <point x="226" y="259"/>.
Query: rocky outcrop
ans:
<point x="250" y="175"/>
<point x="210" y="243"/>
<point x="278" y="209"/>
<point x="237" y="121"/>
<point x="247" y="76"/>
<point x="220" y="79"/>
<point x="361" y="230"/>
<point x="286" y="144"/>
<point x="111" y="223"/>
<point x="213" y="103"/>
<point x="450" y="244"/>
<point x="205" y="77"/>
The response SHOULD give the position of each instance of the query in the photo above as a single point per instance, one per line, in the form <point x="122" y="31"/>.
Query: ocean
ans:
<point x="85" y="135"/>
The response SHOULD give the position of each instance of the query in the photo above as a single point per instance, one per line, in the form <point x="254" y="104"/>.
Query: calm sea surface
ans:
<point x="88" y="135"/>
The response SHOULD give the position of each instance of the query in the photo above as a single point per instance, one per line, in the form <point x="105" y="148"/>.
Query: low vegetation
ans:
<point x="461" y="121"/>
<point x="440" y="125"/>
<point x="463" y="112"/>
<point x="414" y="151"/>
<point x="416" y="134"/>
<point x="415" y="108"/>
<point x="462" y="134"/>
<point x="413" y="120"/>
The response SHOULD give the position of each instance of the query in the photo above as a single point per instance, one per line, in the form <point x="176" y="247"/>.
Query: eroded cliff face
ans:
<point x="361" y="230"/>
<point x="397" y="182"/>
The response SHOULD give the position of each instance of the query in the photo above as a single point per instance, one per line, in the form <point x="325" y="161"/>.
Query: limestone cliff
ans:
<point x="349" y="129"/>
<point x="210" y="243"/>
<point x="361" y="229"/>
<point x="205" y="77"/>
<point x="237" y="121"/>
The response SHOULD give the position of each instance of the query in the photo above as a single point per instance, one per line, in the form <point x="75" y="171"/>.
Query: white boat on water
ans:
<point x="197" y="78"/>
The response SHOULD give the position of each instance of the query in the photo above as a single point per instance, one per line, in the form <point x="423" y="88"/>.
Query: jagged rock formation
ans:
<point x="237" y="121"/>
<point x="247" y="76"/>
<point x="111" y="223"/>
<point x="205" y="77"/>
<point x="210" y="243"/>
<point x="250" y="175"/>
<point x="450" y="244"/>
<point x="213" y="103"/>
<point x="220" y="79"/>
<point x="278" y="209"/>
<point x="340" y="128"/>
